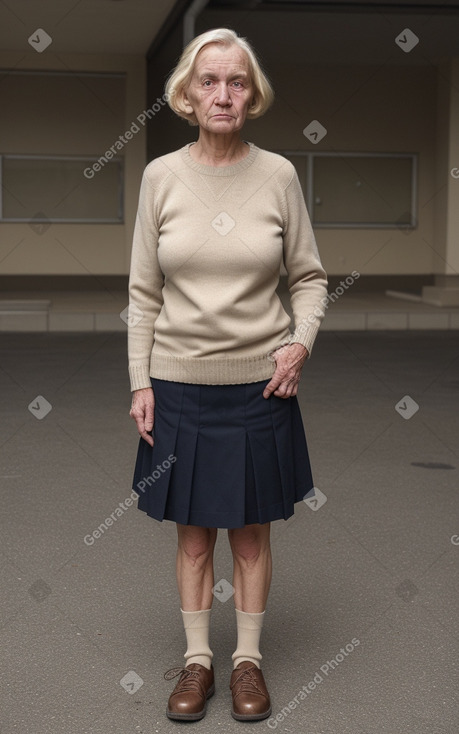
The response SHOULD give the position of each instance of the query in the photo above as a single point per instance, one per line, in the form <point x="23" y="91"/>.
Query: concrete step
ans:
<point x="438" y="296"/>
<point x="21" y="305"/>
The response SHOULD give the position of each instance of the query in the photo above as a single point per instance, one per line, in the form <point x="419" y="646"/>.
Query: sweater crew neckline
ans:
<point x="231" y="170"/>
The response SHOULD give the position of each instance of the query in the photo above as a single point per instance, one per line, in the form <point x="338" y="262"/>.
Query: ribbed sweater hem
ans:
<point x="211" y="370"/>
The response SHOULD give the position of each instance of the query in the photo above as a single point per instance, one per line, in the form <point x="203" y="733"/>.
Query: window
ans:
<point x="56" y="189"/>
<point x="358" y="189"/>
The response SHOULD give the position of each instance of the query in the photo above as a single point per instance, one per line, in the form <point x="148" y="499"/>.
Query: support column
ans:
<point x="445" y="292"/>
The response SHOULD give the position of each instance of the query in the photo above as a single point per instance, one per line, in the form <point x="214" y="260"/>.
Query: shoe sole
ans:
<point x="192" y="717"/>
<point x="251" y="717"/>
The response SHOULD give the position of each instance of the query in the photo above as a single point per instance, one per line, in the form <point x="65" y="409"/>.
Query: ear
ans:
<point x="187" y="106"/>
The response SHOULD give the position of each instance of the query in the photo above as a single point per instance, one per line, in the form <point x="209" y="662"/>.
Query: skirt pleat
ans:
<point x="223" y="456"/>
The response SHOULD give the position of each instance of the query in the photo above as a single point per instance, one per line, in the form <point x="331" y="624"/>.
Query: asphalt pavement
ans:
<point x="361" y="626"/>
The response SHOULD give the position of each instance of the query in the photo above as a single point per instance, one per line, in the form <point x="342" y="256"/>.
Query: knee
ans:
<point x="248" y="545"/>
<point x="196" y="546"/>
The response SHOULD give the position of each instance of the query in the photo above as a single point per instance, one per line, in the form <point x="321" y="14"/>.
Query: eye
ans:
<point x="207" y="82"/>
<point x="238" y="83"/>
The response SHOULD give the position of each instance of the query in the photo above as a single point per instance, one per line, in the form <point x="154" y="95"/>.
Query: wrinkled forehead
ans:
<point x="217" y="58"/>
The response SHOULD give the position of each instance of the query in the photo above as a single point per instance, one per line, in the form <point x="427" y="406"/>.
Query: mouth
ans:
<point x="224" y="117"/>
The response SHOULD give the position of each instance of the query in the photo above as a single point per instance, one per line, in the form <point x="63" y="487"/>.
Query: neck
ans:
<point x="214" y="149"/>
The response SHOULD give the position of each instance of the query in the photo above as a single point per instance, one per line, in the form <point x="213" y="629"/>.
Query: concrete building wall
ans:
<point x="72" y="115"/>
<point x="392" y="112"/>
<point x="406" y="108"/>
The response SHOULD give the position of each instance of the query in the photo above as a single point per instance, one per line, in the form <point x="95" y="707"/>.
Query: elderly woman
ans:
<point x="213" y="363"/>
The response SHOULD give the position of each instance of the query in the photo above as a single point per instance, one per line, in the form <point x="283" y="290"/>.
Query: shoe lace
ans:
<point x="248" y="681"/>
<point x="189" y="680"/>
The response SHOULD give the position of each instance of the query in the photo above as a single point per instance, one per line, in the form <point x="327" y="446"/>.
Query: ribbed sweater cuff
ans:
<point x="306" y="338"/>
<point x="139" y="375"/>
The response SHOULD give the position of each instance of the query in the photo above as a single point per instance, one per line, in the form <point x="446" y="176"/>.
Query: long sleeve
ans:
<point x="307" y="280"/>
<point x="207" y="248"/>
<point x="145" y="288"/>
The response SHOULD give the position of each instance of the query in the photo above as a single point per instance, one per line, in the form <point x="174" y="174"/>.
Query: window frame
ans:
<point x="117" y="160"/>
<point x="309" y="198"/>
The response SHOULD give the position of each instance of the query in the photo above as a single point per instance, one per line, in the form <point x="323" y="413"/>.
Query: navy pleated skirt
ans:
<point x="223" y="456"/>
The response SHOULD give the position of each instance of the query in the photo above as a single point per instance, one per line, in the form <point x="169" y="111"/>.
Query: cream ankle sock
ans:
<point x="197" y="637"/>
<point x="248" y="637"/>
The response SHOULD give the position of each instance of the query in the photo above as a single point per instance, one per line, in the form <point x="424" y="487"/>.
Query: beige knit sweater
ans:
<point x="207" y="250"/>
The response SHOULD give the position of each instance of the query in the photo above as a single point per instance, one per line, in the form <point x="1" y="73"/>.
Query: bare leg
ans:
<point x="252" y="566"/>
<point x="195" y="579"/>
<point x="194" y="566"/>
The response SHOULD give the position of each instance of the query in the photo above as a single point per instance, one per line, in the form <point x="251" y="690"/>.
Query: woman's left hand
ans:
<point x="289" y="361"/>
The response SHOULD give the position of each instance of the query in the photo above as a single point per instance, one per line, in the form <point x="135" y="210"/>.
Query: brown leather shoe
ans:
<point x="188" y="700"/>
<point x="250" y="696"/>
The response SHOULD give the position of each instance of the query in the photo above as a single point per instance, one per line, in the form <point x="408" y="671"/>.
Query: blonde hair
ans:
<point x="263" y="95"/>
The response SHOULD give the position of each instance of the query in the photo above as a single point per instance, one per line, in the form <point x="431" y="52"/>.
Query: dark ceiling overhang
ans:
<point x="360" y="6"/>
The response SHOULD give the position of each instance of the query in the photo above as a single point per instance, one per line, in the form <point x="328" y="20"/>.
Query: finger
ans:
<point x="149" y="417"/>
<point x="147" y="437"/>
<point x="142" y="428"/>
<point x="271" y="386"/>
<point x="281" y="393"/>
<point x="144" y="431"/>
<point x="285" y="390"/>
<point x="276" y="380"/>
<point x="285" y="396"/>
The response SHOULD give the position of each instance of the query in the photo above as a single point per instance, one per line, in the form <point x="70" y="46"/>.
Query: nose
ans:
<point x="223" y="96"/>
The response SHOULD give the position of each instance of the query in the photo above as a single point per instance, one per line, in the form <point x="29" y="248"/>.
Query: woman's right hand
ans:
<point x="142" y="411"/>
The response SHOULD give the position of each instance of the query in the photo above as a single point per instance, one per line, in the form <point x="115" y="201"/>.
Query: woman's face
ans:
<point x="220" y="90"/>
